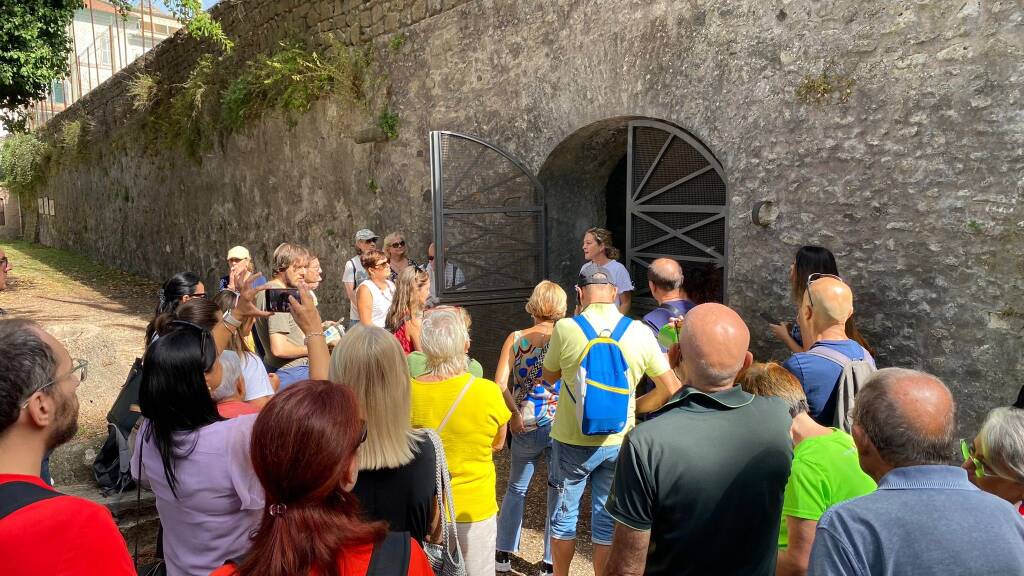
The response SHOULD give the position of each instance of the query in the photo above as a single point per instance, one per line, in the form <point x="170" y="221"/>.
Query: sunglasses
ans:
<point x="430" y="258"/>
<point x="380" y="264"/>
<point x="76" y="365"/>
<point x="399" y="244"/>
<point x="814" y="278"/>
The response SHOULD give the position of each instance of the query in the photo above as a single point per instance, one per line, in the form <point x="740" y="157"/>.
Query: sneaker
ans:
<point x="546" y="569"/>
<point x="502" y="563"/>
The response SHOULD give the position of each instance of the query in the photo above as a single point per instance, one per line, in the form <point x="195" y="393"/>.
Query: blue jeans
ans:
<point x="570" y="467"/>
<point x="527" y="449"/>
<point x="292" y="375"/>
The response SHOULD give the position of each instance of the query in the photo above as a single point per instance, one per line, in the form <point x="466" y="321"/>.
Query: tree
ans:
<point x="35" y="40"/>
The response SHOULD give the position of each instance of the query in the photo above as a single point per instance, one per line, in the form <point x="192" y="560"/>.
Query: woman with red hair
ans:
<point x="304" y="447"/>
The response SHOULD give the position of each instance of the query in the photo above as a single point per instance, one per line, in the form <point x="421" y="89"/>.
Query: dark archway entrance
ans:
<point x="656" y="187"/>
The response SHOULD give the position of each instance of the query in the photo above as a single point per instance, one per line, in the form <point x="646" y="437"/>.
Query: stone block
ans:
<point x="391" y="22"/>
<point x="419" y="10"/>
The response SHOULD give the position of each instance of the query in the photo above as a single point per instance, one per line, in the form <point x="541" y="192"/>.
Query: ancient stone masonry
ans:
<point x="890" y="132"/>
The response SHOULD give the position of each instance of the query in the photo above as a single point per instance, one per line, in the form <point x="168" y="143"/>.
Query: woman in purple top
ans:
<point x="196" y="463"/>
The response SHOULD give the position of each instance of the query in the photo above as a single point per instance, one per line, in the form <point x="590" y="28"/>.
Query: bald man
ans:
<point x="926" y="517"/>
<point x="665" y="281"/>
<point x="828" y="303"/>
<point x="699" y="489"/>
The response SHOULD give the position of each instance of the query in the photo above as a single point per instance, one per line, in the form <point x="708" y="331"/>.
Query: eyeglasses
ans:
<point x="967" y="449"/>
<point x="202" y="342"/>
<point x="814" y="278"/>
<point x="399" y="244"/>
<point x="76" y="365"/>
<point x="380" y="264"/>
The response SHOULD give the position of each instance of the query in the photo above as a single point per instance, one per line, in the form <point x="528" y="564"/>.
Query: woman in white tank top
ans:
<point x="373" y="296"/>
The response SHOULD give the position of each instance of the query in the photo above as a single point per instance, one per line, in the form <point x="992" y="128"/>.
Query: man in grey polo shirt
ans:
<point x="699" y="489"/>
<point x="926" y="517"/>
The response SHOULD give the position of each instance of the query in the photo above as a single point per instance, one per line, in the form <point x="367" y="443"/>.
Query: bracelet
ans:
<point x="308" y="336"/>
<point x="230" y="320"/>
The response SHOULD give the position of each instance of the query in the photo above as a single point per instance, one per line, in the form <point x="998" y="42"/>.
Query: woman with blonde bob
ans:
<point x="398" y="254"/>
<point x="470" y="416"/>
<point x="396" y="463"/>
<point x="532" y="403"/>
<point x="994" y="460"/>
<point x="406" y="313"/>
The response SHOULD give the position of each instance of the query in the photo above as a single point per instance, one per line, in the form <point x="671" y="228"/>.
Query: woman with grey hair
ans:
<point x="228" y="395"/>
<point x="994" y="460"/>
<point x="469" y="414"/>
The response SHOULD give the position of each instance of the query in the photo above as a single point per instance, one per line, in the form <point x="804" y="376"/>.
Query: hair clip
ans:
<point x="1020" y="399"/>
<point x="277" y="509"/>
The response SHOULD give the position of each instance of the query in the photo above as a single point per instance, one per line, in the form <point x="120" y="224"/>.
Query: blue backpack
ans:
<point x="602" y="388"/>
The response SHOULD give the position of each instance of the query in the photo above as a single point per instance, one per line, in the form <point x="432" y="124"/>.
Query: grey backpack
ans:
<point x="855" y="374"/>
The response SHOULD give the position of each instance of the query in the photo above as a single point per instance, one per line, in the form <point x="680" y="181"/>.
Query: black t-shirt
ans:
<point x="404" y="496"/>
<point x="707" y="478"/>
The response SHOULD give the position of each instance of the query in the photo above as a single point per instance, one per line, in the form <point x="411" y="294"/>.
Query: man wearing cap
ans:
<point x="238" y="258"/>
<point x="355" y="273"/>
<point x="699" y="489"/>
<point x="577" y="457"/>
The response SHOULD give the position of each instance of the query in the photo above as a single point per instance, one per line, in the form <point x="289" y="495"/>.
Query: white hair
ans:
<point x="443" y="339"/>
<point x="1002" y="442"/>
<point x="231" y="369"/>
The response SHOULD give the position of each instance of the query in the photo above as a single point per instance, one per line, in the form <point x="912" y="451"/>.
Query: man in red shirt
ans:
<point x="41" y="530"/>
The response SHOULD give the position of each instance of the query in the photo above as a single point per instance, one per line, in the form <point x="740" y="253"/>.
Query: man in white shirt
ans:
<point x="355" y="273"/>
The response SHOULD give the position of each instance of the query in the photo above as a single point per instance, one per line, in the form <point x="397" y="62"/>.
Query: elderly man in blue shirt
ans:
<point x="926" y="517"/>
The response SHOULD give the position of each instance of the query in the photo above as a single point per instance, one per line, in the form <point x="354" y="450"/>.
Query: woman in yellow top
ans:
<point x="470" y="415"/>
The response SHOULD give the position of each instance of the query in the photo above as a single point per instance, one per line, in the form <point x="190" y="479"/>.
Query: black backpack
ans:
<point x="112" y="465"/>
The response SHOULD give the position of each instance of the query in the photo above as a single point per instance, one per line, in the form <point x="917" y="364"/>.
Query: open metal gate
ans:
<point x="488" y="234"/>
<point x="676" y="207"/>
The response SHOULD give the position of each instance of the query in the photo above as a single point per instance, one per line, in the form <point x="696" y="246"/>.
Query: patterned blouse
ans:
<point x="536" y="401"/>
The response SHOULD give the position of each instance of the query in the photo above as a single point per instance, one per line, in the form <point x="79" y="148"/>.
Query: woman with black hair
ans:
<point x="179" y="288"/>
<point x="811" y="260"/>
<point x="196" y="462"/>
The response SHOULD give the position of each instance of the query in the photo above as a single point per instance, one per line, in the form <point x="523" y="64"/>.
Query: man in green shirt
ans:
<point x="826" y="470"/>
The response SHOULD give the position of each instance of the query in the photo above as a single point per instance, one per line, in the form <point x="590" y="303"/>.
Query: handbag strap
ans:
<point x="390" y="556"/>
<point x="455" y="404"/>
<point x="445" y="501"/>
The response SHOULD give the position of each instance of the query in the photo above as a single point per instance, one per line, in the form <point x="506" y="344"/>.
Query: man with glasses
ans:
<point x="41" y="530"/>
<point x="926" y="517"/>
<point x="355" y="274"/>
<point x="828" y="303"/>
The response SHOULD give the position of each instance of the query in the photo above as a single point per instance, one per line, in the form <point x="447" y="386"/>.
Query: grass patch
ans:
<point x="142" y="90"/>
<point x="388" y="122"/>
<point x="398" y="41"/>
<point x="62" y="271"/>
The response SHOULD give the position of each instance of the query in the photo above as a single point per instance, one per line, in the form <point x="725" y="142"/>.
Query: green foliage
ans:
<point x="22" y="157"/>
<point x="199" y="23"/>
<point x="35" y="41"/>
<point x="186" y="122"/>
<point x="397" y="41"/>
<point x="372" y="186"/>
<point x="74" y="134"/>
<point x="142" y="90"/>
<point x="388" y="122"/>
<point x="291" y="79"/>
<point x="826" y="87"/>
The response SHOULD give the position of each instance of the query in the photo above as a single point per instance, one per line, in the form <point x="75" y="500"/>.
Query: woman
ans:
<point x="599" y="251"/>
<point x="406" y="313"/>
<point x="228" y="395"/>
<point x="207" y="314"/>
<point x="254" y="370"/>
<point x="994" y="460"/>
<point x="374" y="296"/>
<point x="397" y="464"/>
<point x="305" y="453"/>
<point x="532" y="404"/>
<point x="179" y="288"/>
<point x="470" y="416"/>
<point x="398" y="254"/>
<point x="811" y="260"/>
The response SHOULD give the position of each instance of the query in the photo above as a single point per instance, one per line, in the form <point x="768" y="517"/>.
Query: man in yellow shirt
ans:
<point x="576" y="457"/>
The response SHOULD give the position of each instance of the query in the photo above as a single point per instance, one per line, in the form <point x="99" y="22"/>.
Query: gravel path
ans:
<point x="100" y="314"/>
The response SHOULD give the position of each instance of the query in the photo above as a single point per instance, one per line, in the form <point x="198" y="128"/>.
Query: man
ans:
<point x="5" y="267"/>
<point x="698" y="490"/>
<point x="665" y="281"/>
<point x="453" y="275"/>
<point x="828" y="303"/>
<point x="576" y="457"/>
<point x="283" y="341"/>
<point x="825" y="467"/>
<point x="238" y="259"/>
<point x="355" y="274"/>
<point x="926" y="517"/>
<point x="41" y="530"/>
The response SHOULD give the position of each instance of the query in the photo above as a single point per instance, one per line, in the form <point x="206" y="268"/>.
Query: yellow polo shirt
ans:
<point x="642" y="353"/>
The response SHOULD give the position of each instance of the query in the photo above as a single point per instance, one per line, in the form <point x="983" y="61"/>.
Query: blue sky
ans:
<point x="160" y="5"/>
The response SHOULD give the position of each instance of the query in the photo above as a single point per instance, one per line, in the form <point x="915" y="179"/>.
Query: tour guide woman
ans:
<point x="599" y="251"/>
<point x="373" y="296"/>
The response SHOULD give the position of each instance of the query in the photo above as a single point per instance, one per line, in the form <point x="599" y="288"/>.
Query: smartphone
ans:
<point x="277" y="299"/>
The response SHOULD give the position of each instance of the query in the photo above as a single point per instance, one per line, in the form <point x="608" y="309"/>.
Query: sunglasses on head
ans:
<point x="814" y="278"/>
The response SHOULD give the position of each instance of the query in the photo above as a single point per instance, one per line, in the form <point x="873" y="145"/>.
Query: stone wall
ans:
<point x="915" y="181"/>
<point x="10" y="223"/>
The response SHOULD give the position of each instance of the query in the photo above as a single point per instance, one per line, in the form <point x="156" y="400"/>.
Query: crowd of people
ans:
<point x="277" y="443"/>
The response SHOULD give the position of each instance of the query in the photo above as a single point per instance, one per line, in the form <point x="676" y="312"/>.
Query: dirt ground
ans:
<point x="100" y="314"/>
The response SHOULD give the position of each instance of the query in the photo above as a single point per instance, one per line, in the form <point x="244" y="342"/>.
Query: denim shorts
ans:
<point x="570" y="468"/>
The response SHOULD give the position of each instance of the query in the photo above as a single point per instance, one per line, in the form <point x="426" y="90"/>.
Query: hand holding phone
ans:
<point x="277" y="299"/>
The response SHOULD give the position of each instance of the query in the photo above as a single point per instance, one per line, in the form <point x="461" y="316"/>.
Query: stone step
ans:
<point x="134" y="513"/>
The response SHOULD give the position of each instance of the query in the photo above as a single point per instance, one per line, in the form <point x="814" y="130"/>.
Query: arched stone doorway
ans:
<point x="655" y="186"/>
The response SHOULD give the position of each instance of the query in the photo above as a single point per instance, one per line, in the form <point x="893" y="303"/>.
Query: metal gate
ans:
<point x="488" y="235"/>
<point x="676" y="207"/>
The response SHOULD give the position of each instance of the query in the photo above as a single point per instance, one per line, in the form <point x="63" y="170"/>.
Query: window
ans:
<point x="57" y="90"/>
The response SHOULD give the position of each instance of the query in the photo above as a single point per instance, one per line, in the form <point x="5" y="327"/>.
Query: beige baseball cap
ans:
<point x="238" y="253"/>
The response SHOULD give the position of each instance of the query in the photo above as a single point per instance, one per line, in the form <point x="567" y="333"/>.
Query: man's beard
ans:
<point x="66" y="425"/>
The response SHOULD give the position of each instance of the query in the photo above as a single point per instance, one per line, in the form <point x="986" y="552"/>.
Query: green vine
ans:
<point x="142" y="90"/>
<point x="388" y="122"/>
<point x="73" y="135"/>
